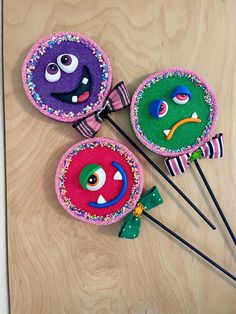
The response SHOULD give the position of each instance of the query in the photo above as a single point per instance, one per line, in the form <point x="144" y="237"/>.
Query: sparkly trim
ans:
<point x="209" y="97"/>
<point x="31" y="61"/>
<point x="78" y="212"/>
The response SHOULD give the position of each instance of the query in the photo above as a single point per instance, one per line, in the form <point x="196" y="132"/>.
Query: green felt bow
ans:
<point x="132" y="222"/>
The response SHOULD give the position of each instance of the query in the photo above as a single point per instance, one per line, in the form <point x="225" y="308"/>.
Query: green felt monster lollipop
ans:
<point x="173" y="113"/>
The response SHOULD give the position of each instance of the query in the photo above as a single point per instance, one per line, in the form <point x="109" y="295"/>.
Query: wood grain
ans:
<point x="59" y="265"/>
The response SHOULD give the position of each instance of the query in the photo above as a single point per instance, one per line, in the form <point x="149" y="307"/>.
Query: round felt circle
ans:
<point x="173" y="112"/>
<point x="66" y="76"/>
<point x="98" y="181"/>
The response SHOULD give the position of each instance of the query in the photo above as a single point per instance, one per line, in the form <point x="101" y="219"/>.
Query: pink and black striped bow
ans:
<point x="211" y="149"/>
<point x="117" y="99"/>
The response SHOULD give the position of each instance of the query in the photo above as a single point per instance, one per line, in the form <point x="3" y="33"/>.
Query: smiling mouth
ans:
<point x="192" y="119"/>
<point x="119" y="175"/>
<point x="81" y="93"/>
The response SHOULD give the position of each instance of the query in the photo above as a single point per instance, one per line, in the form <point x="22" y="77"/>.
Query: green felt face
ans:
<point x="182" y="126"/>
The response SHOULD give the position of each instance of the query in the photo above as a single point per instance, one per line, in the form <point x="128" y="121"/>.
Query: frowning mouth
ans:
<point x="119" y="175"/>
<point x="81" y="93"/>
<point x="169" y="133"/>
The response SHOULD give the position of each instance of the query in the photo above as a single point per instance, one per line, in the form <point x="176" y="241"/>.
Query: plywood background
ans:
<point x="59" y="265"/>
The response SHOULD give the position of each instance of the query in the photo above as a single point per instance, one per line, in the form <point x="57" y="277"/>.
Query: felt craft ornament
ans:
<point x="173" y="113"/>
<point x="100" y="181"/>
<point x="67" y="76"/>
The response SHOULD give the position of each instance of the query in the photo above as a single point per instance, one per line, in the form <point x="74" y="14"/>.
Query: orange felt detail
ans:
<point x="179" y="123"/>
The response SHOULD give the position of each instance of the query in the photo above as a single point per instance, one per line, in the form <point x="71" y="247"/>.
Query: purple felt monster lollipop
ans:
<point x="66" y="76"/>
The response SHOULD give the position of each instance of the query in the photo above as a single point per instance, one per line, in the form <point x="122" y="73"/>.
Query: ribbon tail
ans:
<point x="213" y="148"/>
<point x="130" y="227"/>
<point x="151" y="198"/>
<point x="88" y="126"/>
<point x="177" y="165"/>
<point x="119" y="97"/>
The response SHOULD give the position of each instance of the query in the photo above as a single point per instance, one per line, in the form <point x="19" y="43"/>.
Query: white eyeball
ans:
<point x="67" y="62"/>
<point x="52" y="73"/>
<point x="181" y="99"/>
<point x="96" y="180"/>
<point x="181" y="95"/>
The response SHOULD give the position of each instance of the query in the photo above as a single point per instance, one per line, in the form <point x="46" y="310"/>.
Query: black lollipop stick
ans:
<point x="193" y="248"/>
<point x="215" y="200"/>
<point x="156" y="167"/>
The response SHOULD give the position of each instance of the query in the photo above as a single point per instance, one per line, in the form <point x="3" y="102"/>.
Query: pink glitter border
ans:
<point x="28" y="57"/>
<point x="58" y="174"/>
<point x="153" y="146"/>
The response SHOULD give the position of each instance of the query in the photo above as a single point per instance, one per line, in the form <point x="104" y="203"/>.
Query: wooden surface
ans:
<point x="59" y="265"/>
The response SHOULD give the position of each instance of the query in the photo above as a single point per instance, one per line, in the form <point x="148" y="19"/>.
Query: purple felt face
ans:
<point x="66" y="76"/>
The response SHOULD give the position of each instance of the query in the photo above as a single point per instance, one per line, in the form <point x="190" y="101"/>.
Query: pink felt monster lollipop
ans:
<point x="100" y="181"/>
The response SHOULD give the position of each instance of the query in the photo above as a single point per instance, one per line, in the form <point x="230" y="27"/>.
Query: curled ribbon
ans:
<point x="117" y="99"/>
<point x="132" y="222"/>
<point x="211" y="149"/>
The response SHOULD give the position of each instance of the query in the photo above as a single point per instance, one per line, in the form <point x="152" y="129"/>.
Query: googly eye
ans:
<point x="68" y="63"/>
<point x="92" y="177"/>
<point x="158" y="108"/>
<point x="181" y="95"/>
<point x="52" y="73"/>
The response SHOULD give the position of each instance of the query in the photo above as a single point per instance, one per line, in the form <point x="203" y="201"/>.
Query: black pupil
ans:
<point x="161" y="108"/>
<point x="53" y="67"/>
<point x="64" y="59"/>
<point x="92" y="179"/>
<point x="183" y="95"/>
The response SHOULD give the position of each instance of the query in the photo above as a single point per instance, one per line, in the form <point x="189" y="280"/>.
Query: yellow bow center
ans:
<point x="138" y="210"/>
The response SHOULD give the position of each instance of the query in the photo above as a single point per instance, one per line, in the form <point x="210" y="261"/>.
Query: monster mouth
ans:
<point x="192" y="119"/>
<point x="119" y="175"/>
<point x="81" y="93"/>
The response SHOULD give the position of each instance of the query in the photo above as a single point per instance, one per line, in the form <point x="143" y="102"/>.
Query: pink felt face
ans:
<point x="104" y="194"/>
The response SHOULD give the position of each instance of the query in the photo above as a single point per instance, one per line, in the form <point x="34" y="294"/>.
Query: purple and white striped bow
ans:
<point x="117" y="99"/>
<point x="211" y="149"/>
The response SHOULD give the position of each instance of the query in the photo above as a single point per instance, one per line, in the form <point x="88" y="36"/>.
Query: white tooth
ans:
<point x="194" y="115"/>
<point x="117" y="176"/>
<point x="85" y="80"/>
<point x="101" y="200"/>
<point x="74" y="98"/>
<point x="166" y="132"/>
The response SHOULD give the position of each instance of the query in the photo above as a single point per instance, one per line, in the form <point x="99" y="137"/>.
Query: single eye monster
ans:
<point x="99" y="181"/>
<point x="66" y="76"/>
<point x="173" y="112"/>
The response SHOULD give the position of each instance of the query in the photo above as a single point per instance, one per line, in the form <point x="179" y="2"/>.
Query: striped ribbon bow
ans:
<point x="117" y="99"/>
<point x="211" y="149"/>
